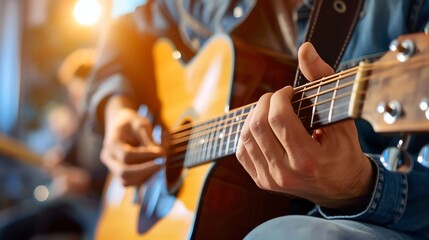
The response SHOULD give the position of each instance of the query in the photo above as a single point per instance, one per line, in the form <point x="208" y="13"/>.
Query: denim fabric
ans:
<point x="310" y="228"/>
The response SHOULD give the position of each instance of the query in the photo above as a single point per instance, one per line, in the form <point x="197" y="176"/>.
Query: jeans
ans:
<point x="309" y="228"/>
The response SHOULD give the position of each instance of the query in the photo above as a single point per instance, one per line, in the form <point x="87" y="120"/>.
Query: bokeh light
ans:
<point x="87" y="12"/>
<point x="41" y="193"/>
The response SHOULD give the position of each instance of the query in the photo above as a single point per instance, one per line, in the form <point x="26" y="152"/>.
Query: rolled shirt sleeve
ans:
<point x="398" y="201"/>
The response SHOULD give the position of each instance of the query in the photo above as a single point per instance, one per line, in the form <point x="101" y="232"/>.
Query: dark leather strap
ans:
<point x="330" y="26"/>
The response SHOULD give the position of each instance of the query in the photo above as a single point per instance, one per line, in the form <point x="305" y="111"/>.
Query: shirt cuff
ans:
<point x="387" y="202"/>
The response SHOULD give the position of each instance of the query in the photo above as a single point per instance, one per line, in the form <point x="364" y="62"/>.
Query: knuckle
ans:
<point x="257" y="126"/>
<point x="282" y="181"/>
<point x="245" y="136"/>
<point x="275" y="119"/>
<point x="240" y="154"/>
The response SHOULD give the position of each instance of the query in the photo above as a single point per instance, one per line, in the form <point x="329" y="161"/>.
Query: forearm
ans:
<point x="116" y="103"/>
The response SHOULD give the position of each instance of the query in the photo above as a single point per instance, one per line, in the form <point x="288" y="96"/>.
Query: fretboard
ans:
<point x="316" y="104"/>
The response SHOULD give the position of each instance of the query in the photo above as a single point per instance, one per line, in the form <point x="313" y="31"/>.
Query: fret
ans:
<point x="318" y="104"/>
<point x="216" y="138"/>
<point x="222" y="135"/>
<point x="313" y="111"/>
<point x="323" y="103"/>
<point x="231" y="121"/>
<point x="191" y="150"/>
<point x="305" y="106"/>
<point x="299" y="102"/>
<point x="323" y="108"/>
<point x="342" y="100"/>
<point x="334" y="95"/>
<point x="197" y="143"/>
<point x="243" y="115"/>
<point x="204" y="142"/>
<point x="236" y="130"/>
<point x="201" y="143"/>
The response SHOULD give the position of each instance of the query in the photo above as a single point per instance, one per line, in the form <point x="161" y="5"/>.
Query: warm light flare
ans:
<point x="87" y="12"/>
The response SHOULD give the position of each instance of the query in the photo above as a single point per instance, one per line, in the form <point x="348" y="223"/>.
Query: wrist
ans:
<point x="116" y="103"/>
<point x="360" y="195"/>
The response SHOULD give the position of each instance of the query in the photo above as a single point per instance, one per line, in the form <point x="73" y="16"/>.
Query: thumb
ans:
<point x="312" y="66"/>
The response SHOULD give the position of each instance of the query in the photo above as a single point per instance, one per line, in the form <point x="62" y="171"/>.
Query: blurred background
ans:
<point x="50" y="175"/>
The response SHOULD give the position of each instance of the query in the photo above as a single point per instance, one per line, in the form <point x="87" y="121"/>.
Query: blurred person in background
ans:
<point x="70" y="208"/>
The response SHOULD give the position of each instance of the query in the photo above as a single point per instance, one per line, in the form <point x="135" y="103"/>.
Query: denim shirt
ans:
<point x="399" y="201"/>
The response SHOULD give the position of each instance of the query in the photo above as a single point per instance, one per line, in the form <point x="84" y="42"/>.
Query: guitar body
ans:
<point x="213" y="200"/>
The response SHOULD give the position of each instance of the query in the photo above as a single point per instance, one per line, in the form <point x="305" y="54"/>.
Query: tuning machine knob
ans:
<point x="405" y="49"/>
<point x="424" y="106"/>
<point x="391" y="111"/>
<point x="397" y="159"/>
<point x="423" y="157"/>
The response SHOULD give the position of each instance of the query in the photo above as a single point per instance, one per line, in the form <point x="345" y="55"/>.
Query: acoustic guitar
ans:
<point x="196" y="197"/>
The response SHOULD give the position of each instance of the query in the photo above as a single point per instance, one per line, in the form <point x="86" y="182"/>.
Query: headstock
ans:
<point x="396" y="88"/>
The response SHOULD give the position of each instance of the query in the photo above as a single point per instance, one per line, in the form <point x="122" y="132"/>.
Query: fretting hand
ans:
<point x="327" y="168"/>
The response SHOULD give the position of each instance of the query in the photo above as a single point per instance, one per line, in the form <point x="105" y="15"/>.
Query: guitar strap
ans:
<point x="330" y="27"/>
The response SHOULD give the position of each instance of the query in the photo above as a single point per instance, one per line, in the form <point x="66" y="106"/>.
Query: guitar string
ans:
<point x="183" y="131"/>
<point x="202" y="125"/>
<point x="187" y="126"/>
<point x="302" y="118"/>
<point x="180" y="131"/>
<point x="198" y="131"/>
<point x="321" y="120"/>
<point x="183" y="149"/>
<point x="306" y="98"/>
<point x="309" y="86"/>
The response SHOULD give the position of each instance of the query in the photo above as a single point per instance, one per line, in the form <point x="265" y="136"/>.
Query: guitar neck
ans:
<point x="379" y="92"/>
<point x="317" y="104"/>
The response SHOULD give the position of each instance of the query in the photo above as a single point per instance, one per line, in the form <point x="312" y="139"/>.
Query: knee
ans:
<point x="297" y="227"/>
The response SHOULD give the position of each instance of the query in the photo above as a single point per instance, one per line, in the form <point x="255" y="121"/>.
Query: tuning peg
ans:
<point x="391" y="111"/>
<point x="405" y="49"/>
<point x="397" y="159"/>
<point x="423" y="157"/>
<point x="424" y="106"/>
